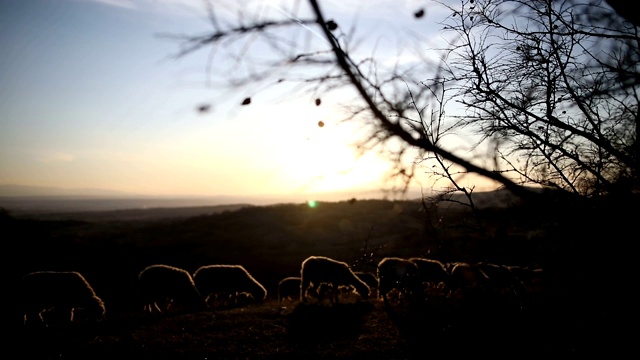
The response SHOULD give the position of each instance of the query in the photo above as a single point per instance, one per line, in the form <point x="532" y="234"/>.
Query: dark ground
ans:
<point x="589" y="311"/>
<point x="356" y="330"/>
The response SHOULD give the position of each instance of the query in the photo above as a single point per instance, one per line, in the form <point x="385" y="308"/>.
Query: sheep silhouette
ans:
<point x="371" y="279"/>
<point x="502" y="279"/>
<point x="432" y="278"/>
<point x="164" y="288"/>
<point x="431" y="271"/>
<point x="399" y="274"/>
<point x="289" y="289"/>
<point x="468" y="284"/>
<point x="317" y="270"/>
<point x="59" y="297"/>
<point x="228" y="282"/>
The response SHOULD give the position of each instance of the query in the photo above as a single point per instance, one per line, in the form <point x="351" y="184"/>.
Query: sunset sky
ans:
<point x="91" y="98"/>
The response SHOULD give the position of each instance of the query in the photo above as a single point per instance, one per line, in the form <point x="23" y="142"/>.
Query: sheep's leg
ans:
<point x="304" y="285"/>
<point x="382" y="292"/>
<point x="29" y="317"/>
<point x="209" y="300"/>
<point x="41" y="315"/>
<point x="169" y="304"/>
<point x="156" y="307"/>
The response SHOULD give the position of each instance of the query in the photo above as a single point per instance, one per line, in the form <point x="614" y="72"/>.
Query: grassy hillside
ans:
<point x="577" y="244"/>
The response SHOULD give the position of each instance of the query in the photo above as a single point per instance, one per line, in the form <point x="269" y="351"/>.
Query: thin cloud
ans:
<point x="154" y="5"/>
<point x="126" y="4"/>
<point x="56" y="157"/>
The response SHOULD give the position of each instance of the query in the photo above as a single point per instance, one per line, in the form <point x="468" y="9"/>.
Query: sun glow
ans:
<point x="323" y="164"/>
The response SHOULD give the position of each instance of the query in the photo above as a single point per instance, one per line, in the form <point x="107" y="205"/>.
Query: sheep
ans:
<point x="244" y="298"/>
<point x="466" y="281"/>
<point x="502" y="279"/>
<point x="65" y="293"/>
<point x="432" y="275"/>
<point x="334" y="294"/>
<point x="225" y="282"/>
<point x="289" y="288"/>
<point x="532" y="279"/>
<point x="316" y="270"/>
<point x="164" y="288"/>
<point x="371" y="279"/>
<point x="396" y="273"/>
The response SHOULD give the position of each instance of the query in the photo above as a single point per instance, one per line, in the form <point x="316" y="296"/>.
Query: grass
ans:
<point x="260" y="331"/>
<point x="353" y="330"/>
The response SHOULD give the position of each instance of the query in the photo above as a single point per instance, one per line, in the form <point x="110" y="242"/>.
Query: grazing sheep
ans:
<point x="227" y="281"/>
<point x="502" y="279"/>
<point x="65" y="293"/>
<point x="289" y="289"/>
<point x="432" y="275"/>
<point x="335" y="294"/>
<point x="371" y="279"/>
<point x="165" y="288"/>
<point x="244" y="298"/>
<point x="430" y="270"/>
<point x="532" y="278"/>
<point x="466" y="280"/>
<point x="317" y="270"/>
<point x="397" y="273"/>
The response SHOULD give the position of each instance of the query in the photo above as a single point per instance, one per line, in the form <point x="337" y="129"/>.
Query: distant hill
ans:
<point x="40" y="200"/>
<point x="39" y="205"/>
<point x="151" y="214"/>
<point x="29" y="200"/>
<point x="12" y="190"/>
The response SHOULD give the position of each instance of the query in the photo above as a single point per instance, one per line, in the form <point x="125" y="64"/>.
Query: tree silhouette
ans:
<point x="554" y="90"/>
<point x="544" y="91"/>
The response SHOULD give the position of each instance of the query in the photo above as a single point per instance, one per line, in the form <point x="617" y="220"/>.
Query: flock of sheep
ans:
<point x="48" y="296"/>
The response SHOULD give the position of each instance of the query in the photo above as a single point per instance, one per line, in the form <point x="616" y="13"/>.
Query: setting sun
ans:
<point x="324" y="165"/>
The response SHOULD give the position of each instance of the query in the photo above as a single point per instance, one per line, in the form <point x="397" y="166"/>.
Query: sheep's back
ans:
<point x="68" y="294"/>
<point x="289" y="287"/>
<point x="319" y="269"/>
<point x="55" y="288"/>
<point x="164" y="280"/>
<point x="227" y="278"/>
<point x="431" y="270"/>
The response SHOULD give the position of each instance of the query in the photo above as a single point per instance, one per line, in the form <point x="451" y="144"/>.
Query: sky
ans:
<point x="92" y="97"/>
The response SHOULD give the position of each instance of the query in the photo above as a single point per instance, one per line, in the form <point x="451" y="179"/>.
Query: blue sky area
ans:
<point x="92" y="98"/>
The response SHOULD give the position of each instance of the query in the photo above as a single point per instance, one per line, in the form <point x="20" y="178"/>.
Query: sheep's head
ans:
<point x="253" y="287"/>
<point x="259" y="292"/>
<point x="194" y="301"/>
<point x="363" y="289"/>
<point x="245" y="298"/>
<point x="93" y="310"/>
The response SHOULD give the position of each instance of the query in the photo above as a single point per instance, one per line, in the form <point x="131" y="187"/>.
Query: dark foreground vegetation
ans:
<point x="588" y="304"/>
